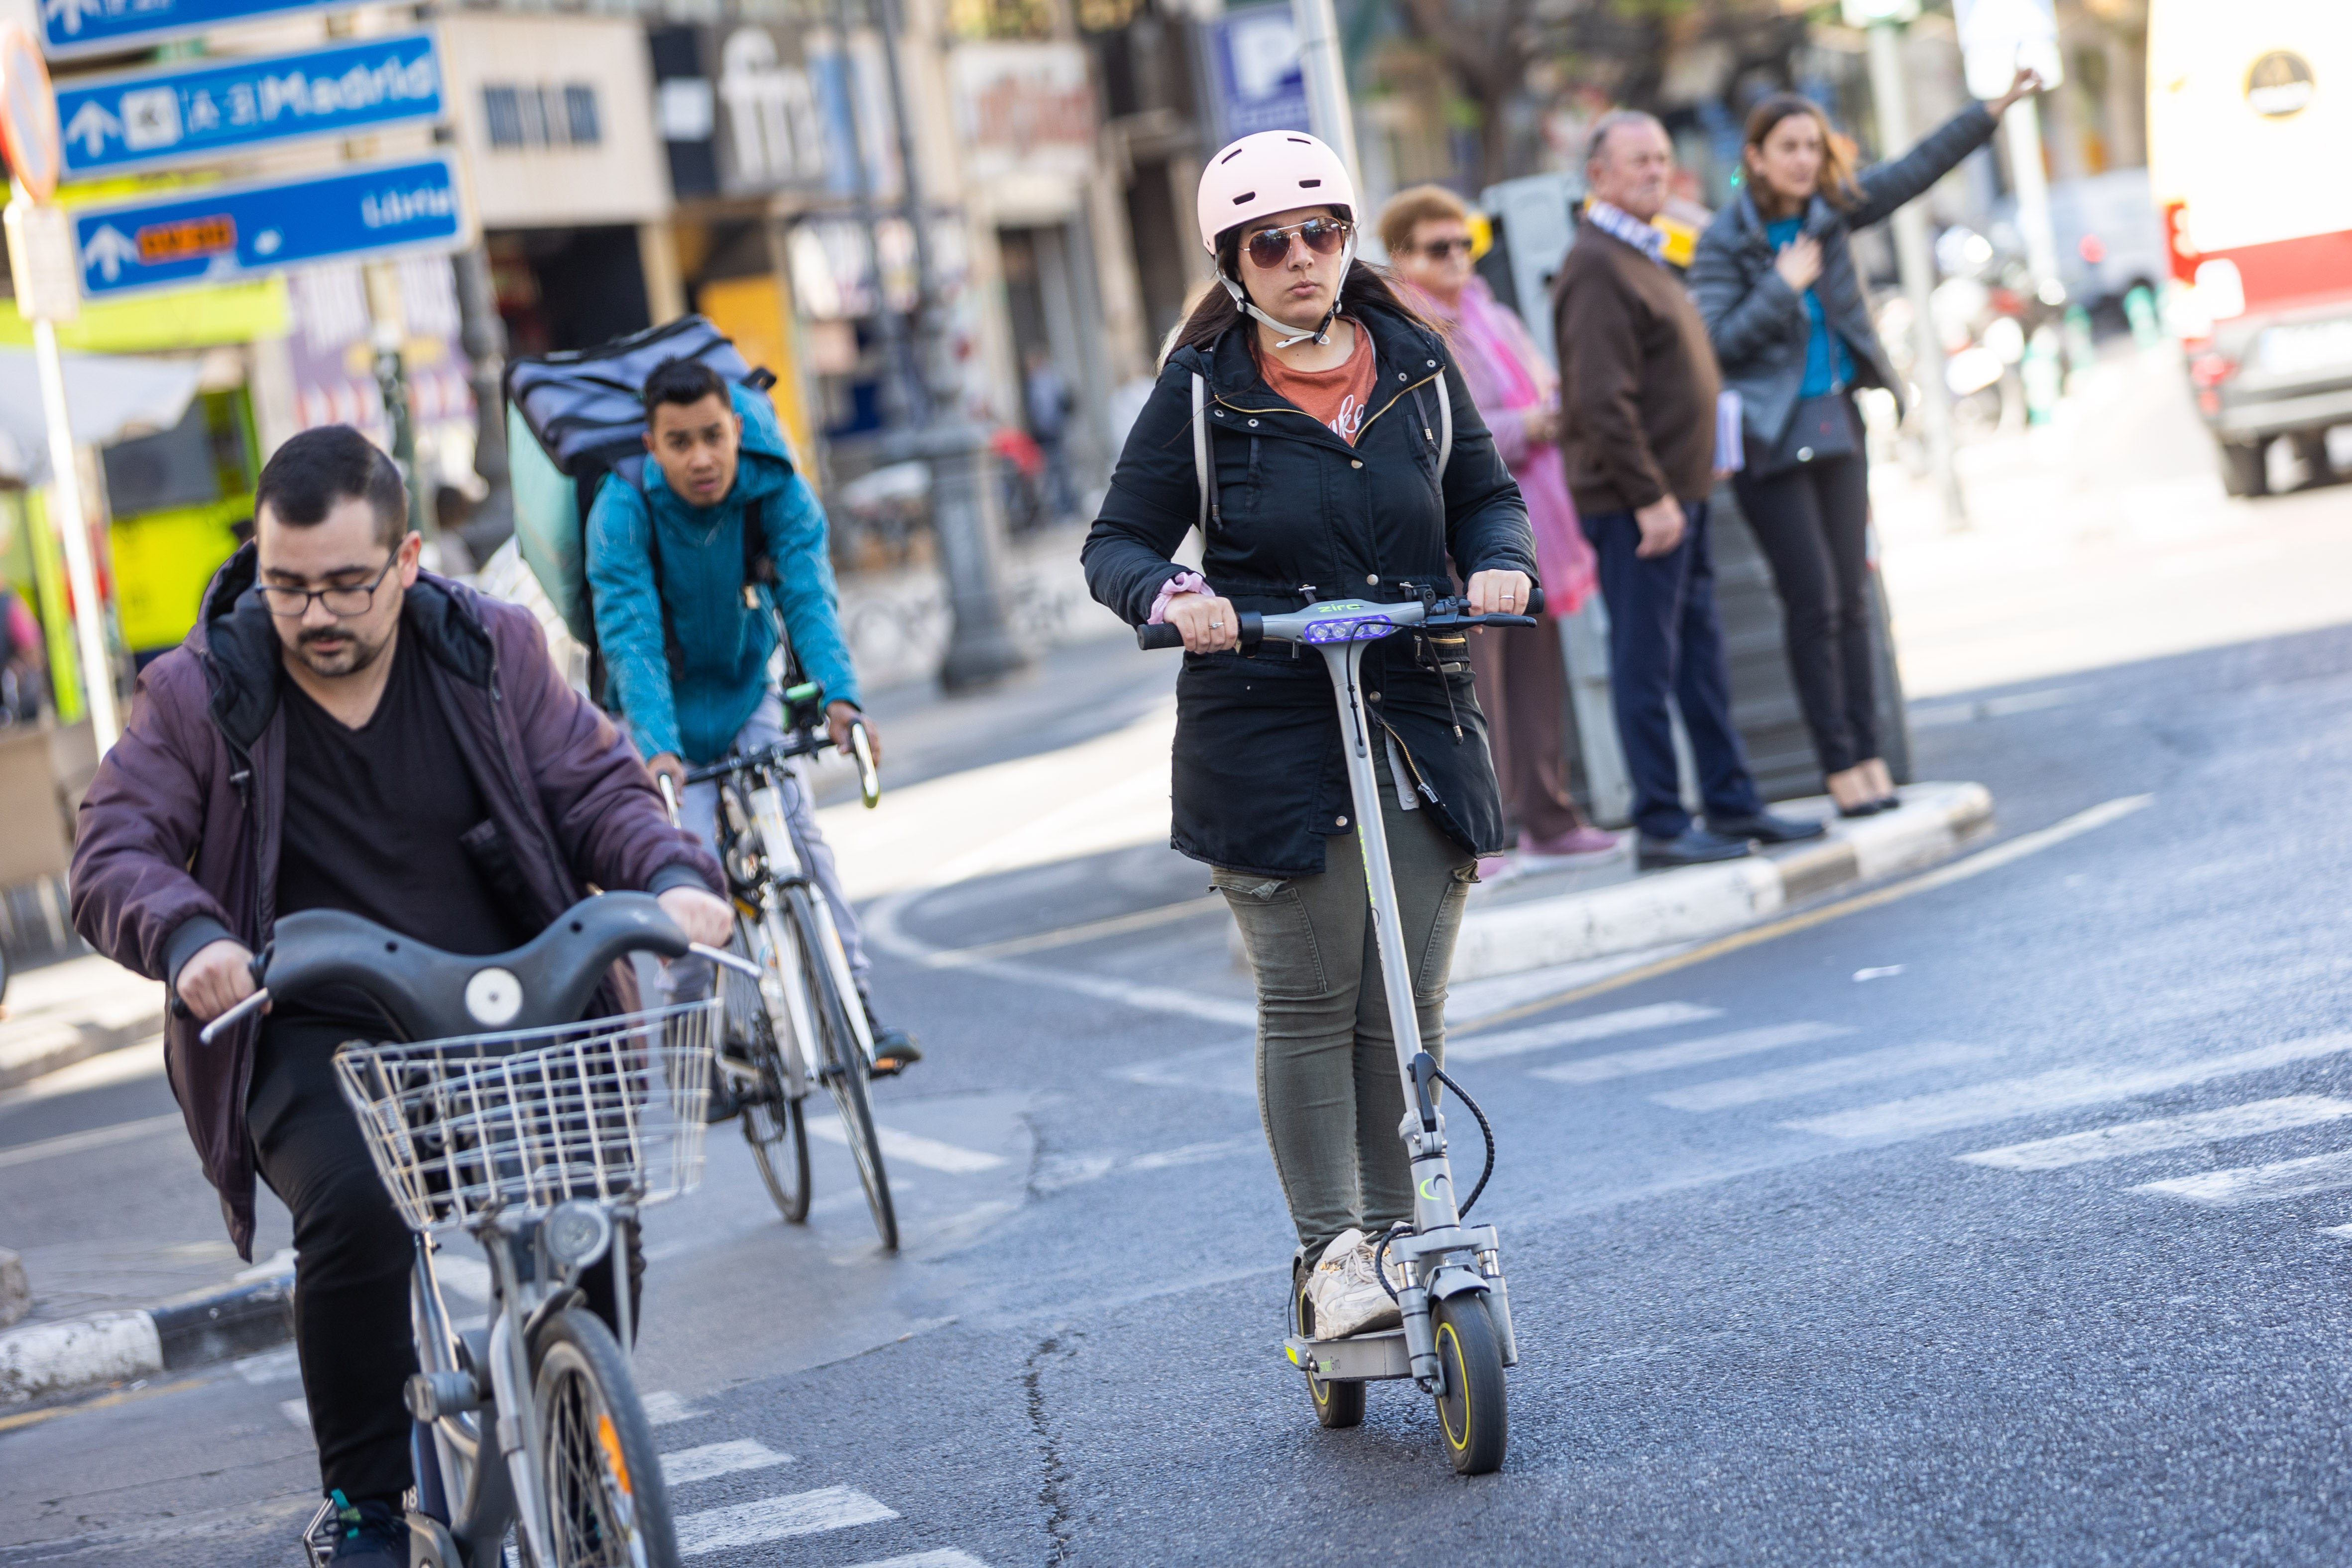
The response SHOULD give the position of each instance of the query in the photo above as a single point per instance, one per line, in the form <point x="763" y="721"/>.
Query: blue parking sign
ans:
<point x="360" y="213"/>
<point x="1254" y="77"/>
<point x="213" y="109"/>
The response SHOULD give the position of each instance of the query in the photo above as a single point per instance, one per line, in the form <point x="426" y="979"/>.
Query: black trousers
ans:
<point x="1813" y="523"/>
<point x="352" y="1255"/>
<point x="1665" y="642"/>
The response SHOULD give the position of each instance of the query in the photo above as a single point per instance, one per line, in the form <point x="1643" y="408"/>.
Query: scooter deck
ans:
<point x="1365" y="1358"/>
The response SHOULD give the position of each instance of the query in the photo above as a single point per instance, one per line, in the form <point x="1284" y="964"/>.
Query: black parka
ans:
<point x="1259" y="778"/>
<point x="1759" y="325"/>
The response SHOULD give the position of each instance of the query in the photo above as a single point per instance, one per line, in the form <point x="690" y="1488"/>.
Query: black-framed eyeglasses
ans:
<point x="1439" y="249"/>
<point x="292" y="603"/>
<point x="1270" y="247"/>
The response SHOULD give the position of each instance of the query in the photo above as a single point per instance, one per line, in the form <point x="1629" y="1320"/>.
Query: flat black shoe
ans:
<point x="1694" y="847"/>
<point x="1867" y="808"/>
<point x="1892" y="803"/>
<point x="1766" y="829"/>
<point x="894" y="1048"/>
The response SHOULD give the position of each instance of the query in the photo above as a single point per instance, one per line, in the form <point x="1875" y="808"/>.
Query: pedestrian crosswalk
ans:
<point x="734" y="1527"/>
<point x="1780" y="1090"/>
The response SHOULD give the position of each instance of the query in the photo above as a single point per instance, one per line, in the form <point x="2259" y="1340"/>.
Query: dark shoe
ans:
<point x="1892" y="803"/>
<point x="371" y="1534"/>
<point x="1766" y="829"/>
<point x="725" y="1103"/>
<point x="1867" y="808"/>
<point x="1695" y="846"/>
<point x="894" y="1048"/>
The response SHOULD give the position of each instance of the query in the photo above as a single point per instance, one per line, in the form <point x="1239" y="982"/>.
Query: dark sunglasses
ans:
<point x="1439" y="249"/>
<point x="1270" y="247"/>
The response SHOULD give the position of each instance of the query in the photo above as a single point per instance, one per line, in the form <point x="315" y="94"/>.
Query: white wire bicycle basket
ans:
<point x="610" y="1109"/>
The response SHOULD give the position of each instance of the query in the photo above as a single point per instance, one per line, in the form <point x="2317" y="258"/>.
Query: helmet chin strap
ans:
<point x="1321" y="334"/>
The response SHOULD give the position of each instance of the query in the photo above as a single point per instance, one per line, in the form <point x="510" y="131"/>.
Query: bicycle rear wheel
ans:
<point x="774" y="1124"/>
<point x="842" y="1065"/>
<point x="607" y="1504"/>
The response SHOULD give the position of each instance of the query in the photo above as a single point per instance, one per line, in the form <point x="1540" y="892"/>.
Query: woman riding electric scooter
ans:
<point x="1317" y="392"/>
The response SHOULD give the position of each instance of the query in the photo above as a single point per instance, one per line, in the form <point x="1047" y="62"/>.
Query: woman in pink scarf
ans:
<point x="1522" y="683"/>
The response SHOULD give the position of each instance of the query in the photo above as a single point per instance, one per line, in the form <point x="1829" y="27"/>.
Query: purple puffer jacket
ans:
<point x="179" y="833"/>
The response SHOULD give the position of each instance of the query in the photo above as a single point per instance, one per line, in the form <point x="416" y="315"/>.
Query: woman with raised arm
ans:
<point x="1775" y="281"/>
<point x="1320" y="402"/>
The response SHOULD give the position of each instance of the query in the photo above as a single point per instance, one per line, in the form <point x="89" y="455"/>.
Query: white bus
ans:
<point x="2250" y="126"/>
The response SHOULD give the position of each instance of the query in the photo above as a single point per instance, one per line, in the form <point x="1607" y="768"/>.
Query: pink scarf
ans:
<point x="1505" y="376"/>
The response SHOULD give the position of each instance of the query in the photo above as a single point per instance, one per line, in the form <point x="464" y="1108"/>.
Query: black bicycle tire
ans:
<point x="790" y="1197"/>
<point x="580" y="1333"/>
<point x="844" y="1070"/>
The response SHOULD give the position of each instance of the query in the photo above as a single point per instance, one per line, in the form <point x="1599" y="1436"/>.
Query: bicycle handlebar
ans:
<point x="431" y="994"/>
<point x="1355" y="620"/>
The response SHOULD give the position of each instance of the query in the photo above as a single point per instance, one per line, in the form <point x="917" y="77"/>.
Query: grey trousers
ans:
<point x="698" y="813"/>
<point x="1328" y="1086"/>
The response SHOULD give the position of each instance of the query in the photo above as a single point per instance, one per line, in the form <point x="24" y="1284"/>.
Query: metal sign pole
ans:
<point x="73" y="522"/>
<point x="1324" y="68"/>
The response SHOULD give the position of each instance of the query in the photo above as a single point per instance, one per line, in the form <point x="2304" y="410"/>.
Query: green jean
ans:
<point x="1328" y="1086"/>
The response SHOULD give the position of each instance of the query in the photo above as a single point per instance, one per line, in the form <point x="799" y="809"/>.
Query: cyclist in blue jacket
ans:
<point x="687" y="650"/>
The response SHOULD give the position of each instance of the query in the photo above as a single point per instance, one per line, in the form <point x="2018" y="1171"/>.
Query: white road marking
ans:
<point x="1787" y="1083"/>
<point x="270" y="1366"/>
<point x="1188" y="1154"/>
<point x="296" y="1411"/>
<point x="96" y="1138"/>
<point x="2008" y="1098"/>
<point x="946" y="1559"/>
<point x="2165" y="1132"/>
<point x="776" y="1518"/>
<point x="1690" y="1053"/>
<point x="691" y="1465"/>
<point x="664" y="1408"/>
<point x="911" y="1148"/>
<point x="1229" y="1068"/>
<point x="1571" y="1031"/>
<point x="1883" y="972"/>
<point x="2259" y="1184"/>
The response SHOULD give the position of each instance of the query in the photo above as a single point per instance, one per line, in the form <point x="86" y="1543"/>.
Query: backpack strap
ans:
<point x="1445" y="426"/>
<point x="1205" y="472"/>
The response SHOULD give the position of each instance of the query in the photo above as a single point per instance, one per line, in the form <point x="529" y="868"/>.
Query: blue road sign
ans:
<point x="216" y="108"/>
<point x="71" y="27"/>
<point x="356" y="214"/>
<point x="1255" y="81"/>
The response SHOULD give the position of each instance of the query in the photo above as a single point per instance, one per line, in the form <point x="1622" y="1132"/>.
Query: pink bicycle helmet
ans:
<point x="1273" y="171"/>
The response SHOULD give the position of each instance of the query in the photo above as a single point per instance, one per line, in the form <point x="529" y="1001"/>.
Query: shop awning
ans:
<point x="109" y="396"/>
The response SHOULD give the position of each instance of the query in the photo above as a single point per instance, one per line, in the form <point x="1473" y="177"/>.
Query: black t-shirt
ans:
<point x="373" y="823"/>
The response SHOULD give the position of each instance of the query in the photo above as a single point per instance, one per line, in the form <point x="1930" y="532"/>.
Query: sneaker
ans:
<point x="1766" y="829"/>
<point x="894" y="1048"/>
<point x="1344" y="1293"/>
<point x="1587" y="840"/>
<point x="373" y="1534"/>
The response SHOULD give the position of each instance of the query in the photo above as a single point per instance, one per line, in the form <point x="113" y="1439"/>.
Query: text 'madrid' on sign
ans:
<point x="71" y="27"/>
<point x="217" y="108"/>
<point x="358" y="212"/>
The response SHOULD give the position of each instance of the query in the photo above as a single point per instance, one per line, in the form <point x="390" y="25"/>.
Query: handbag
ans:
<point x="1820" y="428"/>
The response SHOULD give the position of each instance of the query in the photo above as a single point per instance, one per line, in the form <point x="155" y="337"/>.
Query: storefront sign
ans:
<point x="218" y="109"/>
<point x="224" y="232"/>
<point x="1025" y="109"/>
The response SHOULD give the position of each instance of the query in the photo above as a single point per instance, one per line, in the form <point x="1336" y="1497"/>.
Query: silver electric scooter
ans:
<point x="1455" y="1339"/>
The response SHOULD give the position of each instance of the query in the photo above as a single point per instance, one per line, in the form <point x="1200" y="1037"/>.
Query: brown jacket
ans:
<point x="1637" y="379"/>
<point x="179" y="833"/>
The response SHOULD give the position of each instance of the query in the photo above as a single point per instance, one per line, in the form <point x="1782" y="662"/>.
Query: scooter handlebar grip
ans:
<point x="1535" y="600"/>
<point x="1158" y="635"/>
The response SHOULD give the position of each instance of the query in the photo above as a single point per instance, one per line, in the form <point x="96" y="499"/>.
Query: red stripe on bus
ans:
<point x="2310" y="269"/>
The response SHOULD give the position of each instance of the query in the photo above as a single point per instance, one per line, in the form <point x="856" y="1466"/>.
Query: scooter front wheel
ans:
<point x="1472" y="1410"/>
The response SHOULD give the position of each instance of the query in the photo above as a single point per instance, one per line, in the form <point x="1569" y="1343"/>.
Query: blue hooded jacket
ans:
<point x="725" y="644"/>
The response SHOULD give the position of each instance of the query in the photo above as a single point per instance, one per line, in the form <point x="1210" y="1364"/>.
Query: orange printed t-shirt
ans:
<point x="1336" y="397"/>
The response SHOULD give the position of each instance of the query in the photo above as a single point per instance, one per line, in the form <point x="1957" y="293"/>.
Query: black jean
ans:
<point x="1813" y="523"/>
<point x="352" y="1254"/>
<point x="1665" y="640"/>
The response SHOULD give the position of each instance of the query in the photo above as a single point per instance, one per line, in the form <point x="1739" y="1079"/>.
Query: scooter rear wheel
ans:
<point x="1471" y="1412"/>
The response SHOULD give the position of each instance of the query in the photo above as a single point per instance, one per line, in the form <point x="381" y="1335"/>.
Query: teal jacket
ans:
<point x="724" y="644"/>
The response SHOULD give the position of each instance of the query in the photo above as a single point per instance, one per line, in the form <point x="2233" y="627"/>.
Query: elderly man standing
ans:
<point x="1638" y="391"/>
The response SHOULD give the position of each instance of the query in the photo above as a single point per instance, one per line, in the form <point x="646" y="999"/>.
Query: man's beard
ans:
<point x="355" y="655"/>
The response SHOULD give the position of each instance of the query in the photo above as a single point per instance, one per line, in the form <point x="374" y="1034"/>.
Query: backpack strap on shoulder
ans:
<point x="1444" y="425"/>
<point x="1205" y="472"/>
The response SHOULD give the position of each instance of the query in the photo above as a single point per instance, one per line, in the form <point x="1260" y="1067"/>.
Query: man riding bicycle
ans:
<point x="688" y="628"/>
<point x="343" y="731"/>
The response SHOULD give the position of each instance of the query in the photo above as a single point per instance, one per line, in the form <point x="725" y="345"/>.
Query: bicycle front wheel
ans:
<point x="607" y="1505"/>
<point x="773" y="1122"/>
<point x="842" y="1065"/>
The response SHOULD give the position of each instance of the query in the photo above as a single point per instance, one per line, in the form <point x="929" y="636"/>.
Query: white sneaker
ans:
<point x="1345" y="1294"/>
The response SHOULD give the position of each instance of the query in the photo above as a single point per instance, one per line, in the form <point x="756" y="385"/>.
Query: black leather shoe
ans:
<point x="1867" y="808"/>
<point x="1695" y="846"/>
<point x="1766" y="829"/>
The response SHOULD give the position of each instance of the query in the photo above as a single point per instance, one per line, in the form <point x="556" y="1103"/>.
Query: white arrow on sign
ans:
<point x="73" y="11"/>
<point x="93" y="124"/>
<point x="106" y="251"/>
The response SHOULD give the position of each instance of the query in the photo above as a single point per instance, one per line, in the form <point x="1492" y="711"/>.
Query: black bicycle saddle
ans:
<point x="431" y="994"/>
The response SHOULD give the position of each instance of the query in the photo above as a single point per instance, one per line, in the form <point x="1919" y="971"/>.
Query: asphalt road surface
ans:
<point x="1998" y="1223"/>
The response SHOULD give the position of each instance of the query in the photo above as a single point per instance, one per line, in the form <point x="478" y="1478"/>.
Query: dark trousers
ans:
<point x="1667" y="641"/>
<point x="352" y="1259"/>
<point x="352" y="1254"/>
<point x="1813" y="523"/>
<point x="1523" y="688"/>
